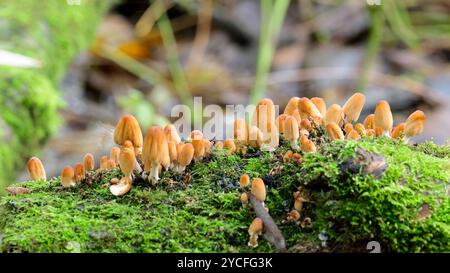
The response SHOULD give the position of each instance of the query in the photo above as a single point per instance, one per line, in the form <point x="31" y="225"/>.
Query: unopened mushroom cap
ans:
<point x="415" y="123"/>
<point x="308" y="109"/>
<point x="294" y="215"/>
<point x="259" y="189"/>
<point x="287" y="155"/>
<point x="240" y="130"/>
<point x="416" y="116"/>
<point x="398" y="130"/>
<point x="297" y="116"/>
<point x="291" y="130"/>
<point x="104" y="162"/>
<point x="199" y="148"/>
<point x="128" y="129"/>
<point x="264" y="116"/>
<point x="334" y="114"/>
<point x="255" y="137"/>
<point x="127" y="161"/>
<point x="219" y="145"/>
<point x="256" y="227"/>
<point x="383" y="116"/>
<point x="359" y="127"/>
<point x="186" y="154"/>
<point x="122" y="187"/>
<point x="348" y="127"/>
<point x="111" y="164"/>
<point x="291" y="106"/>
<point x="79" y="172"/>
<point x="36" y="169"/>
<point x="229" y="145"/>
<point x="115" y="151"/>
<point x="306" y="125"/>
<point x="244" y="198"/>
<point x="172" y="134"/>
<point x="244" y="180"/>
<point x="353" y="134"/>
<point x="67" y="177"/>
<point x="89" y="163"/>
<point x="196" y="135"/>
<point x="172" y="151"/>
<point x="280" y="122"/>
<point x="334" y="131"/>
<point x="155" y="150"/>
<point x="307" y="145"/>
<point x="369" y="122"/>
<point x="353" y="107"/>
<point x="320" y="104"/>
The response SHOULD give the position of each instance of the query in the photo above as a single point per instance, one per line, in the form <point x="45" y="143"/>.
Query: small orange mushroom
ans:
<point x="155" y="152"/>
<point x="79" y="173"/>
<point x="128" y="129"/>
<point x="244" y="181"/>
<point x="185" y="156"/>
<point x="122" y="187"/>
<point x="383" y="117"/>
<point x="89" y="163"/>
<point x="256" y="228"/>
<point x="334" y="114"/>
<point x="244" y="199"/>
<point x="115" y="151"/>
<point x="307" y="145"/>
<point x="280" y="122"/>
<point x="308" y="109"/>
<point x="255" y="137"/>
<point x="36" y="169"/>
<point x="353" y="134"/>
<point x="127" y="161"/>
<point x="68" y="177"/>
<point x="334" y="132"/>
<point x="291" y="131"/>
<point x="172" y="134"/>
<point x="369" y="122"/>
<point x="353" y="107"/>
<point x="103" y="163"/>
<point x="229" y="146"/>
<point x="320" y="104"/>
<point x="293" y="216"/>
<point x="259" y="189"/>
<point x="292" y="105"/>
<point x="414" y="124"/>
<point x="398" y="131"/>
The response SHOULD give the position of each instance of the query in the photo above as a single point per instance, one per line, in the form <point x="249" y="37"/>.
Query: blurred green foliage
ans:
<point x="52" y="32"/>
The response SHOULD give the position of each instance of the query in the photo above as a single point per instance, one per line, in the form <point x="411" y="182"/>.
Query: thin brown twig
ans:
<point x="202" y="36"/>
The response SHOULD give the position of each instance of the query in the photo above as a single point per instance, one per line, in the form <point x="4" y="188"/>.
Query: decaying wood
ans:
<point x="367" y="162"/>
<point x="271" y="231"/>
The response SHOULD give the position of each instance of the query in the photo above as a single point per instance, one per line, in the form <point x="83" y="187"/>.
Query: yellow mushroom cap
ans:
<point x="173" y="155"/>
<point x="244" y="198"/>
<point x="280" y="122"/>
<point x="79" y="172"/>
<point x="196" y="135"/>
<point x="172" y="134"/>
<point x="334" y="114"/>
<point x="155" y="150"/>
<point x="89" y="163"/>
<point x="199" y="148"/>
<point x="229" y="145"/>
<point x="256" y="227"/>
<point x="307" y="145"/>
<point x="259" y="189"/>
<point x="255" y="137"/>
<point x="103" y="162"/>
<point x="67" y="177"/>
<point x="115" y="151"/>
<point x="383" y="116"/>
<point x="36" y="169"/>
<point x="334" y="132"/>
<point x="369" y="122"/>
<point x="291" y="130"/>
<point x="128" y="129"/>
<point x="320" y="104"/>
<point x="208" y="145"/>
<point x="353" y="134"/>
<point x="348" y="127"/>
<point x="219" y="145"/>
<point x="186" y="154"/>
<point x="296" y="115"/>
<point x="128" y="144"/>
<point x="111" y="164"/>
<point x="398" y="130"/>
<point x="127" y="161"/>
<point x="240" y="131"/>
<point x="415" y="123"/>
<point x="308" y="109"/>
<point x="306" y="125"/>
<point x="359" y="127"/>
<point x="264" y="116"/>
<point x="291" y="106"/>
<point x="353" y="107"/>
<point x="287" y="155"/>
<point x="244" y="180"/>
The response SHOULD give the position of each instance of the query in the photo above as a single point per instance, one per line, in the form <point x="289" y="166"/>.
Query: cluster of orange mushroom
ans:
<point x="163" y="149"/>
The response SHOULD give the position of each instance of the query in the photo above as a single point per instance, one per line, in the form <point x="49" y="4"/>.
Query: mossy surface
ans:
<point x="200" y="210"/>
<point x="51" y="32"/>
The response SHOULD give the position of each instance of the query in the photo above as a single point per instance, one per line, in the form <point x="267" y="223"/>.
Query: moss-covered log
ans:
<point x="49" y="31"/>
<point x="405" y="206"/>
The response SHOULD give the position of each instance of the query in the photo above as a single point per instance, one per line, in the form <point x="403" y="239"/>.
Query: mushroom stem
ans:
<point x="294" y="145"/>
<point x="154" y="173"/>
<point x="137" y="167"/>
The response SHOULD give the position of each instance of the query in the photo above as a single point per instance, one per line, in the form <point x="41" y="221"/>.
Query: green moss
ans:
<point x="29" y="100"/>
<point x="200" y="211"/>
